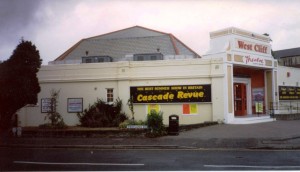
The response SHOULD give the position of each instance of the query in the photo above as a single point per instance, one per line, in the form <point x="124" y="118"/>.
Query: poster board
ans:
<point x="46" y="105"/>
<point x="154" y="107"/>
<point x="289" y="93"/>
<point x="258" y="98"/>
<point x="75" y="105"/>
<point x="189" y="109"/>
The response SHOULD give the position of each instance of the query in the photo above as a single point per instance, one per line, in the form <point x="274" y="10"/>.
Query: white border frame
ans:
<point x="246" y="81"/>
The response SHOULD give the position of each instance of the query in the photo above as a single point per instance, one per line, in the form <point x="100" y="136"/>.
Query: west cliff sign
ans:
<point x="245" y="45"/>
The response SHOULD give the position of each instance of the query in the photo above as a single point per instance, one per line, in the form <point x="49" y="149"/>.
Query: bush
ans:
<point x="140" y="122"/>
<point x="101" y="114"/>
<point x="155" y="124"/>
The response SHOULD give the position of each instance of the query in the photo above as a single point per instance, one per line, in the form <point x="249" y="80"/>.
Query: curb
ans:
<point x="162" y="147"/>
<point x="97" y="146"/>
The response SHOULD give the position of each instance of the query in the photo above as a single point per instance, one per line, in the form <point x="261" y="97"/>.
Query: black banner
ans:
<point x="171" y="94"/>
<point x="289" y="93"/>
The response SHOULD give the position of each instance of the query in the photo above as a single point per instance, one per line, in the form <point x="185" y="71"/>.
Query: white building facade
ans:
<point x="235" y="82"/>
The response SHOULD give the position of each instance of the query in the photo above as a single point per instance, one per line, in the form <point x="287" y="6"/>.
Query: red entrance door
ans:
<point x="240" y="99"/>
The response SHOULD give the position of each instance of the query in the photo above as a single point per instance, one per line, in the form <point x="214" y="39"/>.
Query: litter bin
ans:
<point x="173" y="124"/>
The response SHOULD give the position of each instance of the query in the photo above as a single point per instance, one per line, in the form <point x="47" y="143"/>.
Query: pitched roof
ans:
<point x="133" y="40"/>
<point x="287" y="53"/>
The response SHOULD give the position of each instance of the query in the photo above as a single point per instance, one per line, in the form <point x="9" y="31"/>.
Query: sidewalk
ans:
<point x="272" y="135"/>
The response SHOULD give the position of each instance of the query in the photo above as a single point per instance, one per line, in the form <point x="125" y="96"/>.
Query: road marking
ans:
<point x="75" y="163"/>
<point x="250" y="166"/>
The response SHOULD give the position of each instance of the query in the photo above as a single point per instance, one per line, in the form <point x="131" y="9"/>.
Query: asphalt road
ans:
<point x="151" y="160"/>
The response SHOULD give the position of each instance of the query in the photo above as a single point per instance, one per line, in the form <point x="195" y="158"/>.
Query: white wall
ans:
<point x="90" y="81"/>
<point x="292" y="80"/>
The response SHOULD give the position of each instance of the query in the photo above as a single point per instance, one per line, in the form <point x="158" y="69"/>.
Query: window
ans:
<point x="101" y="60"/>
<point x="96" y="59"/>
<point x="153" y="57"/>
<point x="110" y="95"/>
<point x="140" y="58"/>
<point x="147" y="57"/>
<point x="88" y="61"/>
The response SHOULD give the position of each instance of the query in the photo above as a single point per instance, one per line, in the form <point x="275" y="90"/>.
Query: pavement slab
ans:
<point x="270" y="135"/>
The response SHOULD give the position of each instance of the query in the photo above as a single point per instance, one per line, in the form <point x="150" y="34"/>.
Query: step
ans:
<point x="252" y="120"/>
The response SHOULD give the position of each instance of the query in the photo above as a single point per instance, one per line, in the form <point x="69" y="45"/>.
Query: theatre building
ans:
<point x="234" y="82"/>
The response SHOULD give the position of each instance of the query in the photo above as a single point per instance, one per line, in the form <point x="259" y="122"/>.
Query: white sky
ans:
<point x="56" y="25"/>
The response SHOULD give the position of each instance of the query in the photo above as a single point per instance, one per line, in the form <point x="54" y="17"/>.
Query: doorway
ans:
<point x="240" y="99"/>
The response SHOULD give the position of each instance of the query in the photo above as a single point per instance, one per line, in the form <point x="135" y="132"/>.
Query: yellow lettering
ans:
<point x="139" y="97"/>
<point x="166" y="96"/>
<point x="161" y="88"/>
<point x="175" y="88"/>
<point x="195" y="87"/>
<point x="201" y="94"/>
<point x="171" y="96"/>
<point x="145" y="98"/>
<point x="140" y="89"/>
<point x="159" y="97"/>
<point x="183" y="95"/>
<point x="180" y="95"/>
<point x="149" y="88"/>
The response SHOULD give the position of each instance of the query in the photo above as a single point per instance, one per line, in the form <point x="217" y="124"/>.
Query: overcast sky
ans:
<point x="56" y="25"/>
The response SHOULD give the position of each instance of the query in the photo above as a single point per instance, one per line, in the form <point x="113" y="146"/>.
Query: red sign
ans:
<point x="186" y="109"/>
<point x="252" y="47"/>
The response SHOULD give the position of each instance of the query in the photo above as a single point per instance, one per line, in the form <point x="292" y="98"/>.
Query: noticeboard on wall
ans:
<point x="171" y="94"/>
<point x="289" y="93"/>
<point x="189" y="109"/>
<point x="258" y="95"/>
<point x="46" y="105"/>
<point x="154" y="107"/>
<point x="75" y="105"/>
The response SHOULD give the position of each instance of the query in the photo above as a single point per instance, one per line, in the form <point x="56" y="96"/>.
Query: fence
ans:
<point x="285" y="109"/>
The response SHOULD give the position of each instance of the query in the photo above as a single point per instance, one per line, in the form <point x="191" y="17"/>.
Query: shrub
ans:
<point x="155" y="124"/>
<point x="124" y="124"/>
<point x="130" y="105"/>
<point x="141" y="122"/>
<point x="101" y="114"/>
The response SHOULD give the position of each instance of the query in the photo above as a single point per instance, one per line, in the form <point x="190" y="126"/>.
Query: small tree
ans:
<point x="54" y="117"/>
<point x="155" y="124"/>
<point x="130" y="105"/>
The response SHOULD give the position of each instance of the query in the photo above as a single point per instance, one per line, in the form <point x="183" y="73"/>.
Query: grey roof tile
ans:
<point x="134" y="40"/>
<point x="136" y="31"/>
<point x="287" y="53"/>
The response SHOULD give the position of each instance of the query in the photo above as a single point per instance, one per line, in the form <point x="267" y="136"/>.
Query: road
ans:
<point x="17" y="159"/>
